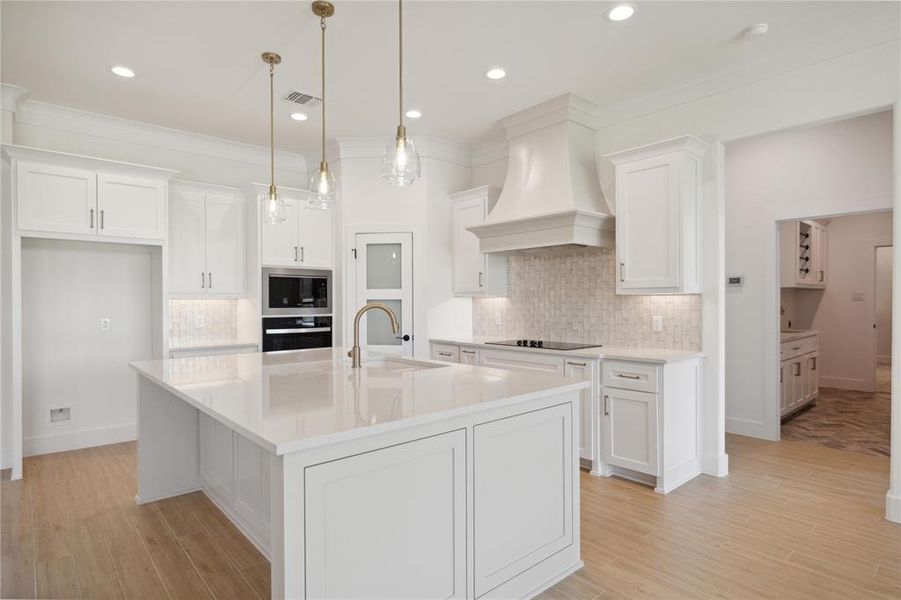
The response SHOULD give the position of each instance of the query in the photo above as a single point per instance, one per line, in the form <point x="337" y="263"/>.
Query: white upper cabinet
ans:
<point x="131" y="206"/>
<point x="304" y="239"/>
<point x="475" y="273"/>
<point x="802" y="250"/>
<point x="206" y="241"/>
<point x="69" y="196"/>
<point x="55" y="198"/>
<point x="658" y="217"/>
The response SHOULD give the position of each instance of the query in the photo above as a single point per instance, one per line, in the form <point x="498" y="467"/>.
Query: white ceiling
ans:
<point x="198" y="65"/>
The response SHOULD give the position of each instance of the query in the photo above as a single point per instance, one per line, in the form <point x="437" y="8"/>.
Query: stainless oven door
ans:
<point x="296" y="333"/>
<point x="297" y="292"/>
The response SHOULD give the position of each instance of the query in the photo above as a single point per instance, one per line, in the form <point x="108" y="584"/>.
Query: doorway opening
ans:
<point x="835" y="331"/>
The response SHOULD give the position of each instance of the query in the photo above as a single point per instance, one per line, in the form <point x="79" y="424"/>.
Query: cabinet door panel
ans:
<point x="647" y="225"/>
<point x="630" y="439"/>
<point x="522" y="482"/>
<point x="389" y="523"/>
<point x="224" y="245"/>
<point x="186" y="252"/>
<point x="521" y="360"/>
<point x="279" y="243"/>
<point x="56" y="199"/>
<point x="469" y="262"/>
<point x="315" y="243"/>
<point x="469" y="356"/>
<point x="131" y="207"/>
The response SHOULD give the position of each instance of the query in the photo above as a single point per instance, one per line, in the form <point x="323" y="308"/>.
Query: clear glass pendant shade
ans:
<point x="400" y="164"/>
<point x="273" y="208"/>
<point x="323" y="188"/>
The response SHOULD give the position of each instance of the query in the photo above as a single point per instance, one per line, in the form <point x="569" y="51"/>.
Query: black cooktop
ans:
<point x="523" y="343"/>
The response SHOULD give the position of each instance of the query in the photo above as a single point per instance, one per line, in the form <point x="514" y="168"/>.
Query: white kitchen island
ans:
<point x="401" y="479"/>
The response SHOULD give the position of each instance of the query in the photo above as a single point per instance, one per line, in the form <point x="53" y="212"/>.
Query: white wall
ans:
<point x="836" y="168"/>
<point x="884" y="304"/>
<point x="67" y="287"/>
<point x="368" y="203"/>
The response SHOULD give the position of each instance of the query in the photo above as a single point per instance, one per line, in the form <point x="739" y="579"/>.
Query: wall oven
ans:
<point x="297" y="292"/>
<point x="296" y="333"/>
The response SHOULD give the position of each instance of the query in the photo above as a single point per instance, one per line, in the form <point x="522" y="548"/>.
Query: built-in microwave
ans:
<point x="297" y="292"/>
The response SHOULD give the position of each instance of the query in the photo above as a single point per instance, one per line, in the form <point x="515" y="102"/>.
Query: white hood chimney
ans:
<point x="551" y="196"/>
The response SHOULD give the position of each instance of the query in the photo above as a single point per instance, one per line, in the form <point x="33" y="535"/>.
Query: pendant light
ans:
<point x="400" y="164"/>
<point x="323" y="188"/>
<point x="273" y="206"/>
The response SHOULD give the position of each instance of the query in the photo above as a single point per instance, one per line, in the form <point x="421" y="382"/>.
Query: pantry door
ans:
<point x="384" y="273"/>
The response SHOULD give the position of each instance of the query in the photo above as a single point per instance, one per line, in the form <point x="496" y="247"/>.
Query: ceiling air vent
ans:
<point x="302" y="99"/>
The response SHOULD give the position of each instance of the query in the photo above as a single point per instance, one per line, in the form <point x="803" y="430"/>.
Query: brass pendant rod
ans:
<point x="400" y="62"/>
<point x="271" y="128"/>
<point x="322" y="27"/>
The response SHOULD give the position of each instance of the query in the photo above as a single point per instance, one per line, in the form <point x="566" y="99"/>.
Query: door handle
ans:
<point x="606" y="405"/>
<point x="404" y="337"/>
<point x="92" y="218"/>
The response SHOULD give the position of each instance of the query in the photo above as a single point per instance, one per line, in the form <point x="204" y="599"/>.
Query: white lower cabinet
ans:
<point x="799" y="375"/>
<point x="522" y="516"/>
<point x="445" y="353"/>
<point x="651" y="421"/>
<point x="469" y="356"/>
<point x="408" y="540"/>
<point x="512" y="359"/>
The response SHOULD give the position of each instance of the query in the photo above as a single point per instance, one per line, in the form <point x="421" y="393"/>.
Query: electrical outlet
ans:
<point x="105" y="324"/>
<point x="657" y="323"/>
<point x="60" y="414"/>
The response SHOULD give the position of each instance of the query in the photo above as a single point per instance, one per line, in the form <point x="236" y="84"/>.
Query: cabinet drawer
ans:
<point x="445" y="353"/>
<point x="798" y="347"/>
<point x="630" y="376"/>
<point x="503" y="359"/>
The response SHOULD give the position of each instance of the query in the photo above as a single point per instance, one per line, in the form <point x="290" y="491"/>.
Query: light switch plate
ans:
<point x="657" y="322"/>
<point x="105" y="324"/>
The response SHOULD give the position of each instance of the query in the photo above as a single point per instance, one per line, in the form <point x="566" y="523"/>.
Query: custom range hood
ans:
<point x="551" y="196"/>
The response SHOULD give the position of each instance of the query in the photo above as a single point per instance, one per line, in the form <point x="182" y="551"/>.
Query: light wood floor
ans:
<point x="792" y="520"/>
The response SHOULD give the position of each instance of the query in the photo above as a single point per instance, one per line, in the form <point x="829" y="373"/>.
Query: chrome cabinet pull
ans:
<point x="102" y="220"/>
<point x="627" y="376"/>
<point x="780" y="374"/>
<point x="821" y="276"/>
<point x="301" y="254"/>
<point x="622" y="267"/>
<point x="295" y="253"/>
<point x="797" y="366"/>
<point x="576" y="364"/>
<point x="202" y="280"/>
<point x="92" y="218"/>
<point x="606" y="405"/>
<point x="796" y="347"/>
<point x="813" y="363"/>
<point x="480" y="279"/>
<point x="209" y="279"/>
<point x="468" y="351"/>
<point x="447" y="354"/>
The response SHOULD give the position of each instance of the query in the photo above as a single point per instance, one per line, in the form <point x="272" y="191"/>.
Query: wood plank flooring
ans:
<point x="792" y="520"/>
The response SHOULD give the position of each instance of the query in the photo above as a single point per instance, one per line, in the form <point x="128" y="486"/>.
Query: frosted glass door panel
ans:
<point x="384" y="273"/>
<point x="383" y="266"/>
<point x="378" y="325"/>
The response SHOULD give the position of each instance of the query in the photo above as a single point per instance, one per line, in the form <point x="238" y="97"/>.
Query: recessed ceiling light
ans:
<point x="496" y="73"/>
<point x="620" y="12"/>
<point x="413" y="113"/>
<point x="299" y="116"/>
<point x="122" y="71"/>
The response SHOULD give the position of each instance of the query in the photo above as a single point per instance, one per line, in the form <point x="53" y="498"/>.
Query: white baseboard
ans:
<point x="716" y="465"/>
<point x="845" y="383"/>
<point x="754" y="429"/>
<point x="74" y="440"/>
<point x="893" y="507"/>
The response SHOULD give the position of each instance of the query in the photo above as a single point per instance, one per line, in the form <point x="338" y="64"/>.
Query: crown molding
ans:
<point x="489" y="152"/>
<point x="427" y="146"/>
<point x="11" y="95"/>
<point x="68" y="159"/>
<point x="50" y="116"/>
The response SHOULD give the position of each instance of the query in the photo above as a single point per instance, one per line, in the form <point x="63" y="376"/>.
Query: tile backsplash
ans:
<point x="569" y="294"/>
<point x="199" y="322"/>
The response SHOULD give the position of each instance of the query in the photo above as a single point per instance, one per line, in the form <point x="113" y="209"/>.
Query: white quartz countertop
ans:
<point x="287" y="401"/>
<point x="213" y="345"/>
<point x="649" y="355"/>
<point x="790" y="335"/>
